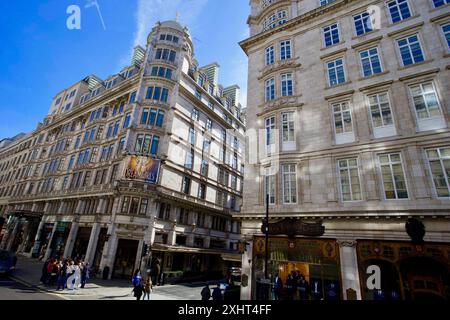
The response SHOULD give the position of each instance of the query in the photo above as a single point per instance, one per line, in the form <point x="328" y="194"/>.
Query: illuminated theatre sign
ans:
<point x="143" y="168"/>
<point x="294" y="227"/>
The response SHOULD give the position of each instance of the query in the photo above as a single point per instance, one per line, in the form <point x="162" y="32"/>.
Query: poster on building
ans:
<point x="143" y="168"/>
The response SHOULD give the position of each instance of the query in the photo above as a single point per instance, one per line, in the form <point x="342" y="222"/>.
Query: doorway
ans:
<point x="125" y="259"/>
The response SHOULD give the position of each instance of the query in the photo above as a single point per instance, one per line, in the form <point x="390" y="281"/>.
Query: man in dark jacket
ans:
<point x="206" y="293"/>
<point x="217" y="293"/>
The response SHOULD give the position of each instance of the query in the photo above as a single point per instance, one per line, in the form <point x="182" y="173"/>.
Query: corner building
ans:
<point x="351" y="118"/>
<point x="144" y="166"/>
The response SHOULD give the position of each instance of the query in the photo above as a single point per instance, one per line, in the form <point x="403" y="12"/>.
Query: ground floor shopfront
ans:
<point x="337" y="265"/>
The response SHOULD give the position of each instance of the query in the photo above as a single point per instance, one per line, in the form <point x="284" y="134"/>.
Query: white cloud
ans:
<point x="151" y="11"/>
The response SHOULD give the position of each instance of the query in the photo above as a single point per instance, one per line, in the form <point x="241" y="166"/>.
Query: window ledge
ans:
<point x="374" y="75"/>
<point x="333" y="45"/>
<point x="404" y="20"/>
<point x="415" y="64"/>
<point x="365" y="34"/>
<point x="338" y="85"/>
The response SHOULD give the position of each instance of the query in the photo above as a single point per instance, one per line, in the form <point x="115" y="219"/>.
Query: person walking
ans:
<point x="60" y="276"/>
<point x="217" y="293"/>
<point x="148" y="288"/>
<point x="138" y="290"/>
<point x="137" y="278"/>
<point x="206" y="293"/>
<point x="84" y="274"/>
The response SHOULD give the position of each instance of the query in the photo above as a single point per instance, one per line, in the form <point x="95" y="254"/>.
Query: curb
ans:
<point x="40" y="288"/>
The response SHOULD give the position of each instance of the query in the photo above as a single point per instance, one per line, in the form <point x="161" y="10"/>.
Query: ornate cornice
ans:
<point x="309" y="16"/>
<point x="347" y="243"/>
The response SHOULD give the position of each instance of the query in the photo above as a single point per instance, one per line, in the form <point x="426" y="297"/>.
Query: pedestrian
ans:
<point x="137" y="278"/>
<point x="148" y="288"/>
<point x="206" y="293"/>
<point x="277" y="287"/>
<point x="60" y="276"/>
<point x="217" y="293"/>
<point x="84" y="274"/>
<point x="138" y="290"/>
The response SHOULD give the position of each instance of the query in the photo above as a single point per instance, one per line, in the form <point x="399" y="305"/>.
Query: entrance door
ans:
<point x="81" y="243"/>
<point x="125" y="259"/>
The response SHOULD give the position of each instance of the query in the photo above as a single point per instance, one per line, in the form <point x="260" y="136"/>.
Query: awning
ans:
<point x="228" y="256"/>
<point x="234" y="257"/>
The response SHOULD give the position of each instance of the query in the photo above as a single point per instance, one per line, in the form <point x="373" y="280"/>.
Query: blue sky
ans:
<point x="39" y="56"/>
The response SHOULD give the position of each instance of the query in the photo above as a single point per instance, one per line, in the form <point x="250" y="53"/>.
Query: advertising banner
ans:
<point x="143" y="168"/>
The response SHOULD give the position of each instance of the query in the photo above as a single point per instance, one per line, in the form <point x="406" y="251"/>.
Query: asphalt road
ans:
<point x="12" y="290"/>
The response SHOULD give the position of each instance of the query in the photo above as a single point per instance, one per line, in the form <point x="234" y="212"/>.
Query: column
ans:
<point x="246" y="286"/>
<point x="49" y="246"/>
<point x="93" y="242"/>
<point x="349" y="268"/>
<point x="108" y="254"/>
<point x="37" y="239"/>
<point x="13" y="235"/>
<point x="138" y="261"/>
<point x="71" y="239"/>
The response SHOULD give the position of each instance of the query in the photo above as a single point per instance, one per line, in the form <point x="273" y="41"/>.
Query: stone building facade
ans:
<point x="348" y="102"/>
<point x="140" y="169"/>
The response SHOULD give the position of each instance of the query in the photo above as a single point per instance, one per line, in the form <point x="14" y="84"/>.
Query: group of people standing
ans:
<point x="65" y="273"/>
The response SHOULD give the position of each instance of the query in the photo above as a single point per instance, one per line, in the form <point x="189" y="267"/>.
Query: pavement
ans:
<point x="28" y="273"/>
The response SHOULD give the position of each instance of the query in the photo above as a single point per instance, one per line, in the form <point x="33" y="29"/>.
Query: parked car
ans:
<point x="8" y="262"/>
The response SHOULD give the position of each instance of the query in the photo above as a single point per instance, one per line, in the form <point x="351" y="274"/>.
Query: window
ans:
<point x="363" y="23"/>
<point x="399" y="10"/>
<point x="325" y="2"/>
<point x="446" y="31"/>
<point x="286" y="85"/>
<point x="269" y="186"/>
<point x="202" y="191"/>
<point x="165" y="54"/>
<point x="394" y="181"/>
<point x="438" y="3"/>
<point x="133" y="97"/>
<point x="116" y="128"/>
<point x="186" y="186"/>
<point x="209" y="124"/>
<point x="157" y="93"/>
<point x="153" y="113"/>
<point x="144" y="117"/>
<point x="285" y="50"/>
<point x="195" y="114"/>
<point x="204" y="168"/>
<point x="410" y="50"/>
<point x="274" y="20"/>
<point x="164" y="211"/>
<point x="349" y="177"/>
<point x="331" y="35"/>
<point x="270" y="90"/>
<point x="126" y="123"/>
<point x="125" y="204"/>
<point x="143" y="207"/>
<point x="336" y="73"/>
<point x="380" y="110"/>
<point x="160" y="118"/>
<point x="270" y="55"/>
<point x="370" y="62"/>
<point x="270" y="134"/>
<point x="192" y="136"/>
<point x="155" y="146"/>
<point x="440" y="170"/>
<point x="342" y="118"/>
<point x="134" y="206"/>
<point x="425" y="101"/>
<point x="287" y="128"/>
<point x="206" y="146"/>
<point x="289" y="183"/>
<point x="189" y="163"/>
